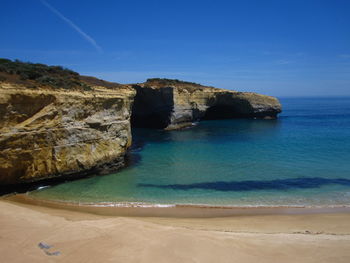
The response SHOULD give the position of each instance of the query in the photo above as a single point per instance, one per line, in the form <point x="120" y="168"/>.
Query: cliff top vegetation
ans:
<point x="184" y="85"/>
<point x="36" y="75"/>
<point x="164" y="81"/>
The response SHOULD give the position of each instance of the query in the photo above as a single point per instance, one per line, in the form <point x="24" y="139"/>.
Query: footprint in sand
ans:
<point x="45" y="247"/>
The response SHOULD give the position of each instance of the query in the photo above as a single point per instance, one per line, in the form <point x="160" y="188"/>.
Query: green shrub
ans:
<point x="164" y="81"/>
<point x="53" y="76"/>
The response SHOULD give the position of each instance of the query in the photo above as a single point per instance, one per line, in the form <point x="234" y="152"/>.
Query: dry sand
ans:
<point x="84" y="237"/>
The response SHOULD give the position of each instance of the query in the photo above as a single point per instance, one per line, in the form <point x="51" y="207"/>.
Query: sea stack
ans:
<point x="173" y="104"/>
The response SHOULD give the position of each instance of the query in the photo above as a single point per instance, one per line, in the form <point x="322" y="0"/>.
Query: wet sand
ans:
<point x="87" y="237"/>
<point x="175" y="211"/>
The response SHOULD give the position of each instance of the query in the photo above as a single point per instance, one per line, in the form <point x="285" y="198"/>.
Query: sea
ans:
<point x="300" y="159"/>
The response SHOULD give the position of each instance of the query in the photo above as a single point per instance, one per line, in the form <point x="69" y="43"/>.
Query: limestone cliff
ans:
<point x="56" y="123"/>
<point x="46" y="133"/>
<point x="173" y="104"/>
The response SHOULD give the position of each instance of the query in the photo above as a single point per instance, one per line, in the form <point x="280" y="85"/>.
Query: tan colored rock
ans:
<point x="173" y="104"/>
<point x="48" y="133"/>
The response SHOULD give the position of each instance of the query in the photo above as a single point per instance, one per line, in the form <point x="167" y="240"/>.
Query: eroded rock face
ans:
<point x="174" y="106"/>
<point x="47" y="133"/>
<point x="152" y="107"/>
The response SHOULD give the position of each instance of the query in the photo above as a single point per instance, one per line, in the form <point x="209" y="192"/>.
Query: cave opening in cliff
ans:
<point x="218" y="112"/>
<point x="152" y="108"/>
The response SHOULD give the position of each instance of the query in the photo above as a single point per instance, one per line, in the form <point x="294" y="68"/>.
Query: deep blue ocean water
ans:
<point x="303" y="158"/>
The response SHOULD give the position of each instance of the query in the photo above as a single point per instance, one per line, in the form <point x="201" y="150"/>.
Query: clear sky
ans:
<point x="281" y="48"/>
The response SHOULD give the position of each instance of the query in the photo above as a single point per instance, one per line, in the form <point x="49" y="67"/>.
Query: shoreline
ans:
<point x="80" y="236"/>
<point x="175" y="210"/>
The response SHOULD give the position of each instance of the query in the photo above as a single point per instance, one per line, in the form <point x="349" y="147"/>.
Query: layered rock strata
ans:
<point x="48" y="131"/>
<point x="53" y="133"/>
<point x="176" y="104"/>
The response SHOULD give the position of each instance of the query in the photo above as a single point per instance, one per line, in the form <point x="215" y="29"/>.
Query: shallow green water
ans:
<point x="303" y="158"/>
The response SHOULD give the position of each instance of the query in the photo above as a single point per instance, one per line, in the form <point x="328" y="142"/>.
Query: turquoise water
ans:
<point x="303" y="158"/>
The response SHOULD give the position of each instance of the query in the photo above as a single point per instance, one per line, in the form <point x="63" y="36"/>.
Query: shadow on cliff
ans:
<point x="152" y="107"/>
<point x="280" y="184"/>
<point x="132" y="158"/>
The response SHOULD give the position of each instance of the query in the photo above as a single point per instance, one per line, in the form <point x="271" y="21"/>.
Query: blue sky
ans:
<point x="281" y="48"/>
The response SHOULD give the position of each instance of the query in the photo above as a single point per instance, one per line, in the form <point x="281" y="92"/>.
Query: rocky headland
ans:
<point x="56" y="123"/>
<point x="78" y="127"/>
<point x="173" y="104"/>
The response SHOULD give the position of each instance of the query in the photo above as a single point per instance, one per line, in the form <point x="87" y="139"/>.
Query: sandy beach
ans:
<point x="175" y="131"/>
<point x="31" y="233"/>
